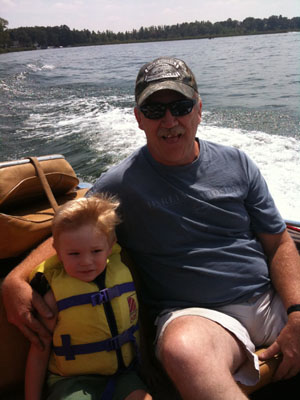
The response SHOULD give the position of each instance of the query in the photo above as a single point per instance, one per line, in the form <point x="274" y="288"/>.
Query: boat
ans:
<point x="22" y="199"/>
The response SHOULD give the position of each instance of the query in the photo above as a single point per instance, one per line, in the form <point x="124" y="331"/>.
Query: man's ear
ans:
<point x="199" y="105"/>
<point x="137" y="114"/>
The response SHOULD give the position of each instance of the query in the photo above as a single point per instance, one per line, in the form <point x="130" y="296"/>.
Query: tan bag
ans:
<point x="26" y="188"/>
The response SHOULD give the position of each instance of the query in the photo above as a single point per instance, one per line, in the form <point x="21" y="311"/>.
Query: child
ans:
<point x="95" y="307"/>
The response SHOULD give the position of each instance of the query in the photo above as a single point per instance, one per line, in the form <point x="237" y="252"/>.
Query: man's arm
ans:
<point x="21" y="301"/>
<point x="284" y="262"/>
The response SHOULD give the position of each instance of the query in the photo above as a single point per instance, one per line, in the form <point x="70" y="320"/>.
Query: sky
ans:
<point x="122" y="15"/>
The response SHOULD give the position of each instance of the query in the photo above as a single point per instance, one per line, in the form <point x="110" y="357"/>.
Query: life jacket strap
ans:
<point x="96" y="298"/>
<point x="70" y="351"/>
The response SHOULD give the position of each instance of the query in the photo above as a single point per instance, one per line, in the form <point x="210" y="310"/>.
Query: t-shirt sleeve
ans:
<point x="106" y="183"/>
<point x="265" y="217"/>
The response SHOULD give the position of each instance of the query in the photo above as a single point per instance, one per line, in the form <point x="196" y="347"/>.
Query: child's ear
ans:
<point x="111" y="246"/>
<point x="56" y="249"/>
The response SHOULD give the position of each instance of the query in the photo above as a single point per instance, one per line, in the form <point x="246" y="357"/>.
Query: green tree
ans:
<point x="4" y="36"/>
<point x="295" y="23"/>
<point x="272" y="23"/>
<point x="63" y="36"/>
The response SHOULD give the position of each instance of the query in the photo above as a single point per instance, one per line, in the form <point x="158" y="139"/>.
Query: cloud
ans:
<point x="68" y="6"/>
<point x="7" y="3"/>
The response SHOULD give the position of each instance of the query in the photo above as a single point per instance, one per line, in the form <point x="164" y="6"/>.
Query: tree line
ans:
<point x="62" y="36"/>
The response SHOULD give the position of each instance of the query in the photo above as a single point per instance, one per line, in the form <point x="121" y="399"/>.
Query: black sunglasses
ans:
<point x="177" y="108"/>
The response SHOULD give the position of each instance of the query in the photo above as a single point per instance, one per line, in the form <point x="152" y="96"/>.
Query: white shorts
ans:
<point x="255" y="323"/>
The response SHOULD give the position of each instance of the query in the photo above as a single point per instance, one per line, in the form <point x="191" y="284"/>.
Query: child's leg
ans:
<point x="139" y="395"/>
<point x="129" y="386"/>
<point x="83" y="387"/>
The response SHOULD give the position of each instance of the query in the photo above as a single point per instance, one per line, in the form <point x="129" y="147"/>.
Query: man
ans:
<point x="207" y="240"/>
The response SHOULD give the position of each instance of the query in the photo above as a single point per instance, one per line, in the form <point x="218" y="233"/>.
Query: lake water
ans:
<point x="79" y="101"/>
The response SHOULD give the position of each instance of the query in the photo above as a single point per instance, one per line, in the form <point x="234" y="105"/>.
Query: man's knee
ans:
<point x="180" y="344"/>
<point x="193" y="340"/>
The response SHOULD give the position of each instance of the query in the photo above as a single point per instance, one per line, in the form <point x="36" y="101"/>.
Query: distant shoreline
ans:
<point x="19" y="49"/>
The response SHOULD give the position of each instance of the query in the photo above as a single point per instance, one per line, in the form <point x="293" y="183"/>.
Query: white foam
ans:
<point x="118" y="132"/>
<point x="48" y="67"/>
<point x="37" y="67"/>
<point x="4" y="86"/>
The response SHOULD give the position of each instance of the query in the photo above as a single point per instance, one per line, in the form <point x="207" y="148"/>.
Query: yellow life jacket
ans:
<point x="85" y="339"/>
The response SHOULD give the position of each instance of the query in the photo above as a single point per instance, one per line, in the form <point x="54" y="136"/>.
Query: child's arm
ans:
<point x="37" y="360"/>
<point x="36" y="367"/>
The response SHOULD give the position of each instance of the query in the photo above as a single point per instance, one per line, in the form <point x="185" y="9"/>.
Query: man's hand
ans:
<point x="22" y="305"/>
<point x="284" y="263"/>
<point x="288" y="344"/>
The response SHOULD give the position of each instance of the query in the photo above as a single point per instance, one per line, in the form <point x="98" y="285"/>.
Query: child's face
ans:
<point x="83" y="252"/>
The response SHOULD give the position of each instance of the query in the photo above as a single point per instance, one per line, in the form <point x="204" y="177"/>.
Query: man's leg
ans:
<point x="200" y="356"/>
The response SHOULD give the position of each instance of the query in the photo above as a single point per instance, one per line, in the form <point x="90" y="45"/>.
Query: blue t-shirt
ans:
<point x="191" y="229"/>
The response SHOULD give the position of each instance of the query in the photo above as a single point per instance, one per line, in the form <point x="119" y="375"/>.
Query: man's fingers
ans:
<point x="270" y="352"/>
<point x="30" y="325"/>
<point x="31" y="336"/>
<point x="36" y="332"/>
<point x="40" y="306"/>
<point x="23" y="308"/>
<point x="285" y="370"/>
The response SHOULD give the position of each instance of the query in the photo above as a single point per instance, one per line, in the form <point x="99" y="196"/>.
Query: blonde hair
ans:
<point x="98" y="210"/>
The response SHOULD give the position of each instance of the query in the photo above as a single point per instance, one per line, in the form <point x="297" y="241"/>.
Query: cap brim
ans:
<point x="179" y="87"/>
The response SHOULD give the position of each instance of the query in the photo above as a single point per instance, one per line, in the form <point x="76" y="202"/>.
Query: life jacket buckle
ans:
<point x="100" y="297"/>
<point x="114" y="343"/>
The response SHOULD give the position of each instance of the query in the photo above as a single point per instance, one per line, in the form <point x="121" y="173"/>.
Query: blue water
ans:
<point x="79" y="101"/>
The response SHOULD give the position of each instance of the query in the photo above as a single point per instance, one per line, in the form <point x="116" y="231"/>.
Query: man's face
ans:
<point x="170" y="139"/>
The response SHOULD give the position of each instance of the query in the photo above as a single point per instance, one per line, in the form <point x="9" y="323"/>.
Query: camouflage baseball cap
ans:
<point x="164" y="73"/>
